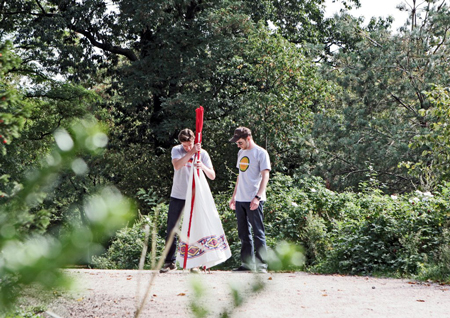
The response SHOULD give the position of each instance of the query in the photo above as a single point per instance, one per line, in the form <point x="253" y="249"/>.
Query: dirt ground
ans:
<point x="113" y="293"/>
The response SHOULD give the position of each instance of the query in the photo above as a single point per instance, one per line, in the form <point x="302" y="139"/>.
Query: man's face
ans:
<point x="243" y="143"/>
<point x="187" y="145"/>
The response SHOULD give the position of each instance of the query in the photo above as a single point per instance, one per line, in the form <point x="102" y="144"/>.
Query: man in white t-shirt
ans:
<point x="182" y="161"/>
<point x="248" y="199"/>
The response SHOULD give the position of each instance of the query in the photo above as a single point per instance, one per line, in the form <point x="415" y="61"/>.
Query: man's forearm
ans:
<point x="264" y="181"/>
<point x="210" y="173"/>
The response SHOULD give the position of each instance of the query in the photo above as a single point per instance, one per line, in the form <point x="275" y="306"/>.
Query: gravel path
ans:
<point x="112" y="293"/>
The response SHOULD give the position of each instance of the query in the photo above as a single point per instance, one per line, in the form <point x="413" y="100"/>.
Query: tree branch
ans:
<point x="106" y="46"/>
<point x="40" y="6"/>
<point x="444" y="39"/>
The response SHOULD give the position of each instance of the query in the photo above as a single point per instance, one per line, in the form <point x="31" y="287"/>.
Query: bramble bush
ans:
<point x="125" y="249"/>
<point x="365" y="233"/>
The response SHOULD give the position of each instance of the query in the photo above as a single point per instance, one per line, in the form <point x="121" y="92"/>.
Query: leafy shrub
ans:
<point x="314" y="237"/>
<point x="438" y="269"/>
<point x="229" y="225"/>
<point x="386" y="234"/>
<point x="125" y="249"/>
<point x="362" y="233"/>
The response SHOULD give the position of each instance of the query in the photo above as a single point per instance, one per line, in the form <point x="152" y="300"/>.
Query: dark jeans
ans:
<point x="252" y="246"/>
<point x="175" y="208"/>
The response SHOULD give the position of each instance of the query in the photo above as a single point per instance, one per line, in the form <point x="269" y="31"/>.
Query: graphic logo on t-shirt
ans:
<point x="189" y="163"/>
<point x="244" y="164"/>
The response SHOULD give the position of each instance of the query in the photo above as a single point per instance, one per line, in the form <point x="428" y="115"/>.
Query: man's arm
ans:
<point x="232" y="202"/>
<point x="264" y="181"/>
<point x="210" y="173"/>
<point x="179" y="163"/>
<point x="262" y="188"/>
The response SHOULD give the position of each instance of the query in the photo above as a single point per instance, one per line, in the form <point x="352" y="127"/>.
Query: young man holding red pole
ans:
<point x="182" y="161"/>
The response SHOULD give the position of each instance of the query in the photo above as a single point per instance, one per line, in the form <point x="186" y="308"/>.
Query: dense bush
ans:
<point x="125" y="249"/>
<point x="353" y="233"/>
<point x="387" y="234"/>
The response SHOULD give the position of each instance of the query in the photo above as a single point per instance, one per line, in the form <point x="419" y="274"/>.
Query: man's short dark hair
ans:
<point x="186" y="135"/>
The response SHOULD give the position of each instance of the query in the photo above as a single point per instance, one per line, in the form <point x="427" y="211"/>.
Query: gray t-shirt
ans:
<point x="250" y="164"/>
<point x="181" y="176"/>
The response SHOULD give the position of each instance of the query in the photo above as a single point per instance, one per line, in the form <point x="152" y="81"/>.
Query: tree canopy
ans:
<point x="383" y="79"/>
<point x="143" y="67"/>
<point x="152" y="63"/>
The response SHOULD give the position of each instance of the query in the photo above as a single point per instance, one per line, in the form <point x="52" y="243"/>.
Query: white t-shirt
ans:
<point x="181" y="176"/>
<point x="250" y="164"/>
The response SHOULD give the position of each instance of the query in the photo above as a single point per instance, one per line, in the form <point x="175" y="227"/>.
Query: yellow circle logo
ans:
<point x="244" y="164"/>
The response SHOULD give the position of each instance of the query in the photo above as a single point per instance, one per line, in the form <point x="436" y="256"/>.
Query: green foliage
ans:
<point x="438" y="269"/>
<point x="368" y="233"/>
<point x="153" y="69"/>
<point x="314" y="236"/>
<point x="29" y="257"/>
<point x="287" y="16"/>
<point x="365" y="233"/>
<point x="29" y="117"/>
<point x="388" y="235"/>
<point x="13" y="110"/>
<point x="281" y="89"/>
<point x="434" y="163"/>
<point x="229" y="225"/>
<point x="376" y="111"/>
<point x="300" y="212"/>
<point x="286" y="257"/>
<point x="52" y="108"/>
<point x="125" y="250"/>
<point x="32" y="313"/>
<point x="198" y="310"/>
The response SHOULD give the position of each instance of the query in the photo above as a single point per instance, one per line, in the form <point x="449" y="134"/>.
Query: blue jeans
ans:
<point x="253" y="247"/>
<point x="175" y="208"/>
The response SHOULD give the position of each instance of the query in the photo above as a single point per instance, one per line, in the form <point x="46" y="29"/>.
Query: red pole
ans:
<point x="186" y="250"/>
<point x="198" y="139"/>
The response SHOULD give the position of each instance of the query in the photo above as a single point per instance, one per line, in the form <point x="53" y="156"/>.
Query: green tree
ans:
<point x="376" y="114"/>
<point x="29" y="118"/>
<point x="13" y="111"/>
<point x="277" y="89"/>
<point x="433" y="166"/>
<point x="299" y="22"/>
<point x="155" y="62"/>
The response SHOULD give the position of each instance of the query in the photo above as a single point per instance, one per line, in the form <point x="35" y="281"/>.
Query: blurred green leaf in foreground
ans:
<point x="28" y="257"/>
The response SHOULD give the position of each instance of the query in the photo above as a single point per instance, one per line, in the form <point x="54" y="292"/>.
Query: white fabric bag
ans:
<point x="208" y="245"/>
